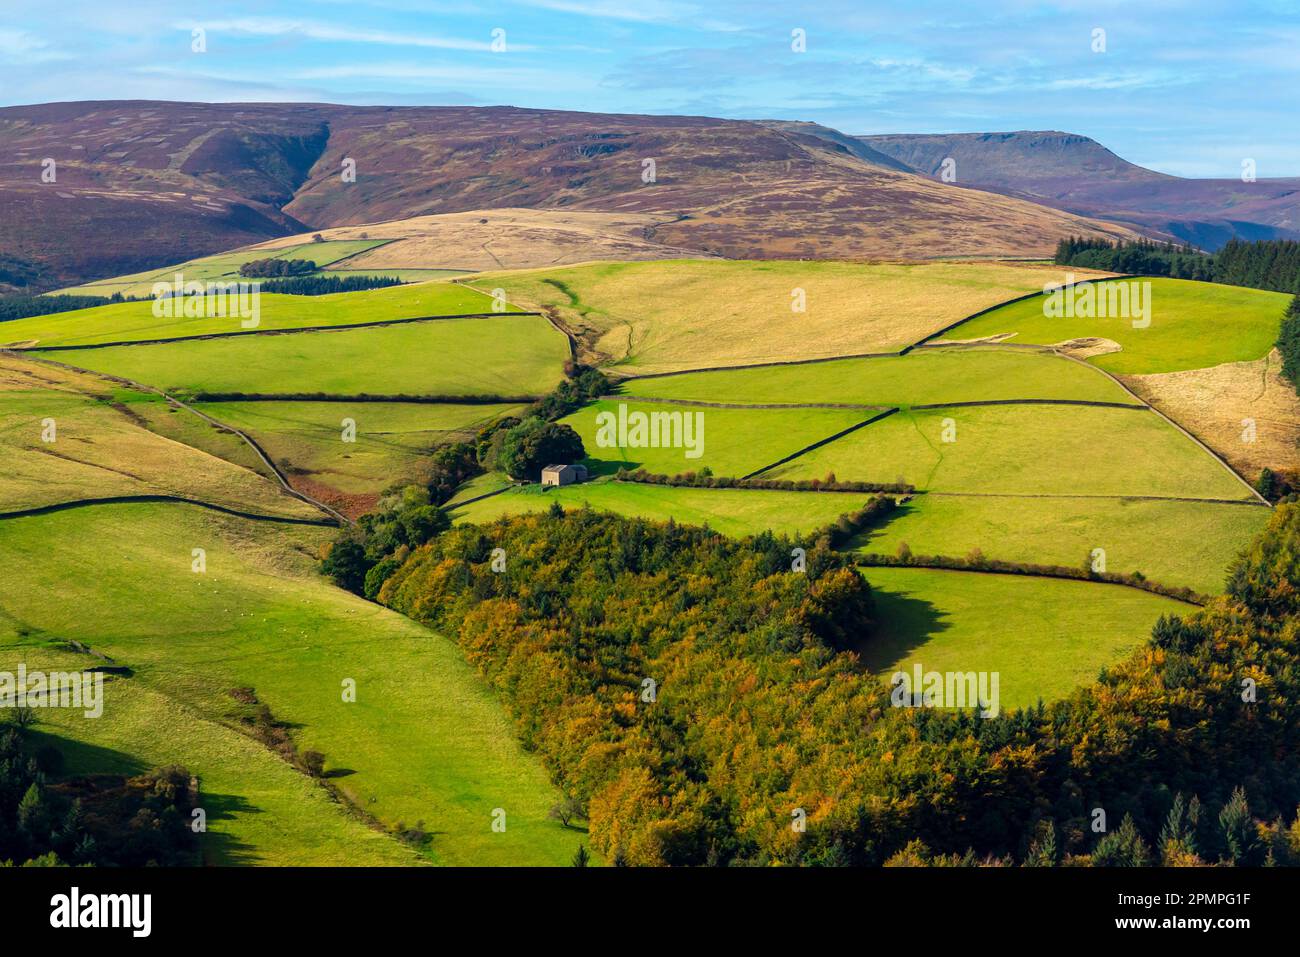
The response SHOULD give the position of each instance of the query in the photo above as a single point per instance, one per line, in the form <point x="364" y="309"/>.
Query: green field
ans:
<point x="521" y="354"/>
<point x="425" y="740"/>
<point x="133" y="321"/>
<point x="1174" y="543"/>
<point x="224" y="266"/>
<point x="730" y="511"/>
<point x="1193" y="325"/>
<point x="1025" y="449"/>
<point x="259" y="809"/>
<point x="391" y="438"/>
<point x="922" y="377"/>
<point x="735" y="442"/>
<point x="1043" y="636"/>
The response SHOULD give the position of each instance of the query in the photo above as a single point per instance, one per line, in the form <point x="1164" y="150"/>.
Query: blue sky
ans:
<point x="1189" y="87"/>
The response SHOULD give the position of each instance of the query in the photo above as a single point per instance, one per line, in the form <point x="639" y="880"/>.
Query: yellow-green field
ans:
<point x="222" y="266"/>
<point x="689" y="314"/>
<point x="922" y="377"/>
<point x="134" y="321"/>
<point x="1043" y="636"/>
<point x="1174" y="543"/>
<point x="96" y="449"/>
<point x="1192" y="325"/>
<point x="730" y="511"/>
<point x="1025" y="450"/>
<point x="508" y="356"/>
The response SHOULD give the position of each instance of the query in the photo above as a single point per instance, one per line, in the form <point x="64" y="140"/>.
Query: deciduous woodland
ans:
<point x="693" y="694"/>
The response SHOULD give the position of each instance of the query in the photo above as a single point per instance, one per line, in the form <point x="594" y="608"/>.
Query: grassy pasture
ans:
<point x="521" y="354"/>
<point x="922" y="377"/>
<point x="674" y="315"/>
<point x="1043" y="636"/>
<point x="259" y="809"/>
<point x="100" y="451"/>
<point x="1174" y="543"/>
<point x="1022" y="449"/>
<point x="223" y="266"/>
<point x="735" y="441"/>
<point x="730" y="511"/>
<point x="424" y="741"/>
<point x="133" y="321"/>
<point x="1193" y="325"/>
<point x="306" y="438"/>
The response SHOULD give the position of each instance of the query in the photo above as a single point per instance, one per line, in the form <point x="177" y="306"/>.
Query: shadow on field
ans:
<point x="598" y="467"/>
<point x="903" y="624"/>
<point x="80" y="758"/>
<point x="219" y="847"/>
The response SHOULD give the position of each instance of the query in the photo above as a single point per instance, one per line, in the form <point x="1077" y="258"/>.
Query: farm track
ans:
<point x="338" y="516"/>
<point x="273" y="332"/>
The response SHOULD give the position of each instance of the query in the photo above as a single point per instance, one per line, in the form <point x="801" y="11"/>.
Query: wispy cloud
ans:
<point x="331" y="32"/>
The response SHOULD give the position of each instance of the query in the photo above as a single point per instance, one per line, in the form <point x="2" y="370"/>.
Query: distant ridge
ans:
<point x="1078" y="174"/>
<point x="141" y="184"/>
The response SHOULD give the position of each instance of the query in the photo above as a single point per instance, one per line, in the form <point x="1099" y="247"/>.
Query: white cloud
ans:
<point x="316" y="30"/>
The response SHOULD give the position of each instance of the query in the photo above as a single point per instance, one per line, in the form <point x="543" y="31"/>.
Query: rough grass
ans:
<point x="1043" y="636"/>
<point x="223" y="266"/>
<point x="1193" y="325"/>
<point x="1220" y="404"/>
<point x="1174" y="543"/>
<point x="919" y="378"/>
<point x="688" y="314"/>
<point x="100" y="451"/>
<point x="447" y="357"/>
<point x="425" y="739"/>
<point x="1062" y="450"/>
<point x="730" y="511"/>
<point x="259" y="809"/>
<point x="392" y="439"/>
<point x="133" y="321"/>
<point x="735" y="441"/>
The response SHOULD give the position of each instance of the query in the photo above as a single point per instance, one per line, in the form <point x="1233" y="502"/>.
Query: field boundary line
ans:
<point x="826" y="441"/>
<point x="273" y="332"/>
<point x="972" y="403"/>
<point x="875" y="355"/>
<point x="171" y="499"/>
<point x="363" y="397"/>
<point x="1205" y="448"/>
<point x="759" y="365"/>
<point x="1249" y="503"/>
<point x="866" y="561"/>
<point x="338" y="516"/>
<point x="1025" y="298"/>
<point x="479" y="498"/>
<point x="619" y="397"/>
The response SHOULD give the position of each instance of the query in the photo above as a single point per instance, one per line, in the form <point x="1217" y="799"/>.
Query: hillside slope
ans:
<point x="1078" y="174"/>
<point x="139" y="184"/>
